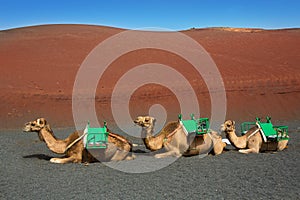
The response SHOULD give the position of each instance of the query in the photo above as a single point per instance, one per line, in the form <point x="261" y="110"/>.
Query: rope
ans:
<point x="74" y="142"/>
<point x="171" y="134"/>
<point x="253" y="133"/>
<point x="79" y="138"/>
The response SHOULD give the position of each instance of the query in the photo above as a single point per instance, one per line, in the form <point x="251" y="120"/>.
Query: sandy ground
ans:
<point x="26" y="173"/>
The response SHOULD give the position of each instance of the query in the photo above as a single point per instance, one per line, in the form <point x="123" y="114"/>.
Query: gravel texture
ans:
<point x="26" y="173"/>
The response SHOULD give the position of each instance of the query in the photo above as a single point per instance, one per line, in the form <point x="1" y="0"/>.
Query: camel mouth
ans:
<point x="26" y="129"/>
<point x="223" y="129"/>
<point x="139" y="123"/>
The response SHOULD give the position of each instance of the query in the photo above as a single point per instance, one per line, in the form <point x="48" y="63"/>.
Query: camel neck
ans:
<point x="57" y="146"/>
<point x="152" y="142"/>
<point x="236" y="141"/>
<point x="231" y="135"/>
<point x="47" y="136"/>
<point x="147" y="132"/>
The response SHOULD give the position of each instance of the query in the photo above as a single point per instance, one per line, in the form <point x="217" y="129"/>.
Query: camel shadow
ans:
<point x="39" y="156"/>
<point x="138" y="151"/>
<point x="147" y="152"/>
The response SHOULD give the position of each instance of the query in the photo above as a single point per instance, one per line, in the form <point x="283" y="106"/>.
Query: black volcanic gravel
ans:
<point x="26" y="173"/>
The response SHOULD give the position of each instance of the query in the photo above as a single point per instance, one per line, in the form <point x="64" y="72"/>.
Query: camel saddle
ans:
<point x="194" y="126"/>
<point x="95" y="138"/>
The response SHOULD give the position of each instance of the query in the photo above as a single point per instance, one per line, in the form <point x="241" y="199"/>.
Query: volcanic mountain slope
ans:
<point x="260" y="70"/>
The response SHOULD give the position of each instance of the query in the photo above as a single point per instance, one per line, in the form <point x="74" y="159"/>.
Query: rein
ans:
<point x="74" y="142"/>
<point x="118" y="137"/>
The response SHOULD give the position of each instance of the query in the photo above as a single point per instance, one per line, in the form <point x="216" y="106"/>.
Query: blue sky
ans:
<point x="169" y="14"/>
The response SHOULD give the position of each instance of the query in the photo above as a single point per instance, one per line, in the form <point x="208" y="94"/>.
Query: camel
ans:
<point x="174" y="140"/>
<point x="252" y="141"/>
<point x="73" y="148"/>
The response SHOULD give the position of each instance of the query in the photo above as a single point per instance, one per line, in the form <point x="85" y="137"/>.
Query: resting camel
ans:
<point x="252" y="141"/>
<point x="174" y="140"/>
<point x="118" y="147"/>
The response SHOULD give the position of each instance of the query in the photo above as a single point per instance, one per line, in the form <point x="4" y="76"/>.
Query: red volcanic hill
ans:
<point x="260" y="70"/>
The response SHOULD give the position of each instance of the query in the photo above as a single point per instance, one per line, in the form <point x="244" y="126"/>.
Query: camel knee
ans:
<point x="282" y="145"/>
<point x="218" y="151"/>
<point x="218" y="148"/>
<point x="127" y="148"/>
<point x="131" y="157"/>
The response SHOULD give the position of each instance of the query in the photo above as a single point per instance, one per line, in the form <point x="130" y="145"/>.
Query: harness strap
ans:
<point x="79" y="138"/>
<point x="118" y="137"/>
<point x="172" y="133"/>
<point x="74" y="142"/>
<point x="253" y="133"/>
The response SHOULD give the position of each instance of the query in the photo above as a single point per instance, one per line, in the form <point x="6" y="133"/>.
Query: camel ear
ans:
<point x="233" y="122"/>
<point x="41" y="122"/>
<point x="147" y="119"/>
<point x="153" y="120"/>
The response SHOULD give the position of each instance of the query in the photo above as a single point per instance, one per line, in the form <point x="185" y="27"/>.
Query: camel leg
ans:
<point x="169" y="153"/>
<point x="282" y="145"/>
<point x="246" y="151"/>
<point x="254" y="145"/>
<point x="119" y="155"/>
<point x="62" y="160"/>
<point x="218" y="147"/>
<point x="131" y="157"/>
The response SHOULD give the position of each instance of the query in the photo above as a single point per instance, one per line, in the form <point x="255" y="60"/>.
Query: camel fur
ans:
<point x="176" y="143"/>
<point x="251" y="142"/>
<point x="118" y="146"/>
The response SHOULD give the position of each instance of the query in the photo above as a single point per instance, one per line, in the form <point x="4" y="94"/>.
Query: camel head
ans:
<point x="37" y="126"/>
<point x="228" y="126"/>
<point x="145" y="121"/>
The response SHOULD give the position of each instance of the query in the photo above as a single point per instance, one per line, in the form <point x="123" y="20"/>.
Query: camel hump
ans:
<point x="170" y="127"/>
<point x="119" y="137"/>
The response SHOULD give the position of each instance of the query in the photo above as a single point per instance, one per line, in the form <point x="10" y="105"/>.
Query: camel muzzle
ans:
<point x="27" y="127"/>
<point x="137" y="122"/>
<point x="222" y="128"/>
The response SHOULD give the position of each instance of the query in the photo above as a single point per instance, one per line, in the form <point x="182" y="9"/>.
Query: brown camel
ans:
<point x="117" y="149"/>
<point x="252" y="141"/>
<point x="175" y="141"/>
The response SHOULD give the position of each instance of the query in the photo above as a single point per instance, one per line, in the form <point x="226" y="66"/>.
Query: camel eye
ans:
<point x="146" y="120"/>
<point x="228" y="125"/>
